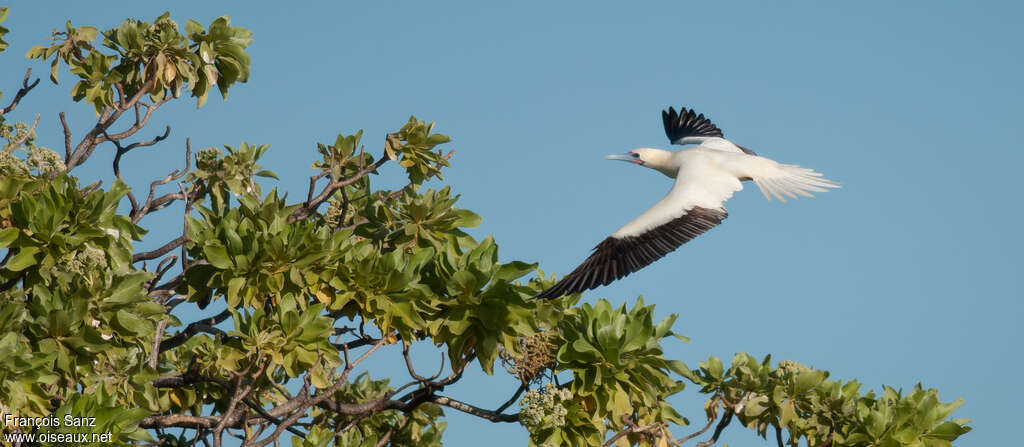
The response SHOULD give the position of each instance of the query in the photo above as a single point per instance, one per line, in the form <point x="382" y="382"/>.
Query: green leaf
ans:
<point x="267" y="173"/>
<point x="8" y="235"/>
<point x="131" y="322"/>
<point x="218" y="256"/>
<point x="24" y="259"/>
<point x="947" y="431"/>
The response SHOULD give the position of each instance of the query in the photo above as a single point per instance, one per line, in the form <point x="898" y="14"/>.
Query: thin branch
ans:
<point x="190" y="378"/>
<point x="412" y="371"/>
<point x="204" y="325"/>
<point x="357" y="343"/>
<point x="308" y="401"/>
<point x="313" y="202"/>
<point x="67" y="136"/>
<point x="166" y="248"/>
<point x="511" y="401"/>
<point x="139" y="123"/>
<point x="109" y="115"/>
<point x="162" y="268"/>
<point x="20" y="141"/>
<point x="724" y="422"/>
<point x="475" y="411"/>
<point x="25" y="88"/>
<point x="154" y="356"/>
<point x="711" y="420"/>
<point x="650" y="430"/>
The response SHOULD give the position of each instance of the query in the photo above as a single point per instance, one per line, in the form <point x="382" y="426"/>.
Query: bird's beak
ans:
<point x="627" y="157"/>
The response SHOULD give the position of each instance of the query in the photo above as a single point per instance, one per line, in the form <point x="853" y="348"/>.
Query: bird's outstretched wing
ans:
<point x="687" y="123"/>
<point x="693" y="205"/>
<point x="689" y="127"/>
<point x="616" y="257"/>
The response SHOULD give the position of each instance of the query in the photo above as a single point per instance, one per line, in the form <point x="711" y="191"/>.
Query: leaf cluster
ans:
<point x="78" y="330"/>
<point x="809" y="406"/>
<point x="149" y="58"/>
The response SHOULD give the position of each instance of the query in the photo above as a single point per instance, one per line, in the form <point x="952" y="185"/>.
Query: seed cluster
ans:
<point x="542" y="408"/>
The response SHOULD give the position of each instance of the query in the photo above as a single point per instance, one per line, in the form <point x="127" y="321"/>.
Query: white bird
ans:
<point x="706" y="176"/>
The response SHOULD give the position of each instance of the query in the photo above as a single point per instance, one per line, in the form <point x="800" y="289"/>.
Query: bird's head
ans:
<point x="657" y="159"/>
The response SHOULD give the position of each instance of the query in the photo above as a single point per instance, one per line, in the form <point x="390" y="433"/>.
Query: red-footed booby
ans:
<point x="706" y="175"/>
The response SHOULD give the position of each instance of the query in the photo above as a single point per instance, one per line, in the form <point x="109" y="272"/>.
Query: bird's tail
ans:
<point x="791" y="181"/>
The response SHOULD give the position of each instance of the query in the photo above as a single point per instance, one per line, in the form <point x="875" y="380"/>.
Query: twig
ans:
<point x="511" y="401"/>
<point x="313" y="202"/>
<point x="307" y="401"/>
<point x="166" y="248"/>
<point x="475" y="411"/>
<point x="20" y="141"/>
<point x="204" y="325"/>
<point x="650" y="430"/>
<point x="109" y="115"/>
<point x="67" y="129"/>
<point x="724" y="422"/>
<point x="711" y="420"/>
<point x="25" y="88"/>
<point x="155" y="355"/>
<point x="162" y="268"/>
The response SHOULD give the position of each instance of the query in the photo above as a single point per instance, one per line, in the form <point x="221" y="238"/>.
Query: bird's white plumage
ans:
<point x="718" y="143"/>
<point x="707" y="177"/>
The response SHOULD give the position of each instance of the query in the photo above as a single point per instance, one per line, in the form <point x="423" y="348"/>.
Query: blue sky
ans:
<point x="909" y="273"/>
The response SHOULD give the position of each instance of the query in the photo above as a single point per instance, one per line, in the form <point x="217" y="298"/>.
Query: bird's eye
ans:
<point x="634" y="155"/>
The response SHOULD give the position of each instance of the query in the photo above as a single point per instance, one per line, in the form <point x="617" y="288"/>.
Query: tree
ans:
<point x="302" y="293"/>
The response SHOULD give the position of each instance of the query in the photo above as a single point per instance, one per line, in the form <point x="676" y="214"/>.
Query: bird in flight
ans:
<point x="706" y="175"/>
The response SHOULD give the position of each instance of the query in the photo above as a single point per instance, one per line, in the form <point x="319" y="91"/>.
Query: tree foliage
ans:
<point x="300" y="294"/>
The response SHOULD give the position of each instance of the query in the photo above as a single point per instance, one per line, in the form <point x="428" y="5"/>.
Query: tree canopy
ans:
<point x="300" y="293"/>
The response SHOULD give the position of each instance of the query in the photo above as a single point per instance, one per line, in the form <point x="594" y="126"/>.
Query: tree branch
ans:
<point x="492" y="416"/>
<point x="313" y="202"/>
<point x="67" y="136"/>
<point x="194" y="328"/>
<point x="166" y="248"/>
<point x="20" y="141"/>
<point x="711" y="420"/>
<point x="724" y="422"/>
<point x="650" y="430"/>
<point x="89" y="142"/>
<point x="25" y="88"/>
<point x="508" y="403"/>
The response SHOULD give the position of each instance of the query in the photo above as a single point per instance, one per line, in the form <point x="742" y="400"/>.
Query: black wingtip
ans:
<point x="687" y="123"/>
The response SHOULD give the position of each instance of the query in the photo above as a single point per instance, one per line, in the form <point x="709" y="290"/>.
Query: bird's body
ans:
<point x="706" y="175"/>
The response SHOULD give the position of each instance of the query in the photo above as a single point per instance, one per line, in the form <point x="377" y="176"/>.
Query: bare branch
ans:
<point x="711" y="420"/>
<point x="512" y="400"/>
<point x="67" y="136"/>
<point x="724" y="422"/>
<point x="652" y="430"/>
<point x="475" y="411"/>
<point x="155" y="355"/>
<point x="25" y="88"/>
<point x="110" y="115"/>
<point x="20" y="141"/>
<point x="139" y="123"/>
<point x="412" y="371"/>
<point x="162" y="268"/>
<point x="204" y="325"/>
<point x="166" y="248"/>
<point x="313" y="202"/>
<point x="178" y="420"/>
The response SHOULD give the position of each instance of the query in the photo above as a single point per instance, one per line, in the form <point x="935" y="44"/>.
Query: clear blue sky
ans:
<point x="909" y="273"/>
